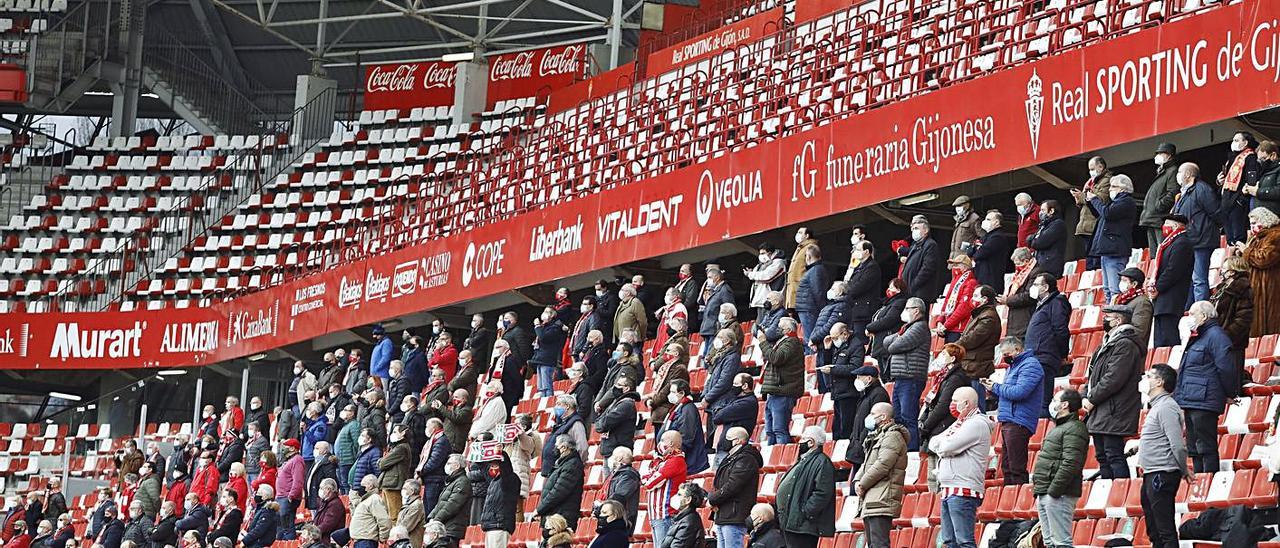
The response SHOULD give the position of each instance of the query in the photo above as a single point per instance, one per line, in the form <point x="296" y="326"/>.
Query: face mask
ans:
<point x="860" y="384"/>
<point x="806" y="446"/>
<point x="188" y="505"/>
<point x="717" y="344"/>
<point x="1144" y="386"/>
<point x="673" y="398"/>
<point x="546" y="317"/>
<point x="959" y="210"/>
<point x="135" y="514"/>
<point x="726" y="319"/>
<point x="870" y="422"/>
<point x="1034" y="292"/>
<point x="475" y="324"/>
<point x="1094" y="172"/>
<point x="764" y="258"/>
<point x="1160" y="159"/>
<point x="744" y="390"/>
<point x="297" y="371"/>
<point x="1237" y="146"/>
<point x="831" y="294"/>
<point x="799" y="237"/>
<point x="574" y="373"/>
<point x="677" y="501"/>
<point x="559" y="412"/>
<point x="1108" y="325"/>
<point x="906" y="316"/>
<point x="365" y="441"/>
<point x="988" y="226"/>
<point x="406" y="407"/>
<point x="435" y="330"/>
<point x="1022" y="210"/>
<point x="1125" y="286"/>
<point x="955" y="411"/>
<point x="617" y="354"/>
<point x="396" y="437"/>
<point x="978" y="302"/>
<point x="917" y="234"/>
<point x="1114" y="194"/>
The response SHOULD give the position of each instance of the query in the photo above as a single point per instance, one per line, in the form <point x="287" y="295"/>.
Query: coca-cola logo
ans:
<point x="511" y="67"/>
<point x="439" y="75"/>
<point x="552" y="62"/>
<point x="564" y="62"/>
<point x="400" y="78"/>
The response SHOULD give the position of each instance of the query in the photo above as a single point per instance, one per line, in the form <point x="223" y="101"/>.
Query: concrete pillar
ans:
<point x="471" y="90"/>
<point x="124" y="105"/>
<point x="314" y="101"/>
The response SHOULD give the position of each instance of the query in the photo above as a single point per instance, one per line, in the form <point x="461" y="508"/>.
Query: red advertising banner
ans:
<point x="808" y="10"/>
<point x="1194" y="71"/>
<point x="536" y="72"/>
<point x="714" y="43"/>
<point x="408" y="85"/>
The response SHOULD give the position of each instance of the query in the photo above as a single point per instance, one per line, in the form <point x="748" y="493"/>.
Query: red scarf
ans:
<point x="1131" y="294"/>
<point x="430" y="387"/>
<point x="954" y="292"/>
<point x="1232" y="180"/>
<point x="1166" y="242"/>
<point x="935" y="382"/>
<point x="1020" y="275"/>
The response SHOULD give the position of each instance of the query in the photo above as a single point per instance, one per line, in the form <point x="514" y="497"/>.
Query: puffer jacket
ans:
<point x="835" y="311"/>
<point x="725" y="365"/>
<point x="884" y="472"/>
<point x="1208" y="374"/>
<point x="710" y="309"/>
<point x="1112" y="386"/>
<point x="1060" y="463"/>
<point x="1022" y="392"/>
<point x="262" y="529"/>
<point x="1048" y="334"/>
<point x="812" y="293"/>
<point x="685" y="531"/>
<point x="908" y="351"/>
<point x="563" y="492"/>
<point x="784" y="372"/>
<point x="499" y="510"/>
<point x="1114" y="234"/>
<point x="979" y="340"/>
<point x="452" y="510"/>
<point x="735" y="486"/>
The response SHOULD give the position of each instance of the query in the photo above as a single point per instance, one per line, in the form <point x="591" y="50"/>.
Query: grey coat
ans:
<point x="1114" y="371"/>
<point x="909" y="351"/>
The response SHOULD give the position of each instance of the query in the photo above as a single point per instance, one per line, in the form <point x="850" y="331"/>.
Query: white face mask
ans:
<point x="1160" y="159"/>
<point x="854" y="240"/>
<point x="1144" y="386"/>
<point x="717" y="344"/>
<point x="1236" y="146"/>
<point x="832" y="295"/>
<point x="1125" y="285"/>
<point x="668" y="299"/>
<point x="1034" y="292"/>
<point x="1094" y="172"/>
<point x="1114" y="194"/>
<point x="860" y="384"/>
<point x="764" y="258"/>
<point x="799" y="237"/>
<point x="917" y="234"/>
<point x="988" y="225"/>
<point x="586" y="308"/>
<point x="677" y="501"/>
<point x="574" y="373"/>
<point x="673" y="398"/>
<point x="907" y="316"/>
<point x="498" y="324"/>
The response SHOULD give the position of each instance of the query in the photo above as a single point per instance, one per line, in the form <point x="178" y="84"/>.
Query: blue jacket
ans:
<point x="716" y="391"/>
<point x="835" y="312"/>
<point x="811" y="296"/>
<point x="1113" y="235"/>
<point x="740" y="410"/>
<point x="549" y="344"/>
<point x="366" y="464"/>
<point x="1048" y="333"/>
<point x="432" y="470"/>
<point x="317" y="431"/>
<point x="1022" y="392"/>
<point x="262" y="530"/>
<point x="685" y="419"/>
<point x="415" y="371"/>
<point x="1050" y="244"/>
<point x="711" y="310"/>
<point x="769" y="324"/>
<point x="380" y="358"/>
<point x="1207" y="371"/>
<point x="1200" y="205"/>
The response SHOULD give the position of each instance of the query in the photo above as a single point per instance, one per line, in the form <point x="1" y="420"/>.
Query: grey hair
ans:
<point x="1021" y="254"/>
<point x="1122" y="183"/>
<point x="566" y="441"/>
<point x="918" y="303"/>
<point x="731" y="308"/>
<point x="839" y="286"/>
<point x="567" y="400"/>
<point x="1204" y="307"/>
<point x="1022" y="196"/>
<point x="629" y="289"/>
<point x="329" y="483"/>
<point x="1264" y="216"/>
<point x="817" y="433"/>
<point x="435" y="528"/>
<point x="456" y="458"/>
<point x="787" y="324"/>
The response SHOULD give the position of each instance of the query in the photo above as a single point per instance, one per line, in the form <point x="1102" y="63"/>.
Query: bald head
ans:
<point x="965" y="399"/>
<point x="762" y="513"/>
<point x="671" y="440"/>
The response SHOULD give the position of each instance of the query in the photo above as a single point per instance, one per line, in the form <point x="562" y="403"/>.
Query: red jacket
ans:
<point x="963" y="295"/>
<point x="177" y="494"/>
<point x="664" y="480"/>
<point x="241" y="487"/>
<point x="205" y="485"/>
<point x="267" y="477"/>
<point x="19" y="541"/>
<point x="1028" y="225"/>
<point x="233" y="420"/>
<point x="14" y="516"/>
<point x="446" y="360"/>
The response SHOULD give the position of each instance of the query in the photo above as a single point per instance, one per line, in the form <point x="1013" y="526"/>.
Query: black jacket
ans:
<point x="512" y="379"/>
<point x="1268" y="194"/>
<point x="1113" y="235"/>
<point x="875" y="393"/>
<point x="454" y="505"/>
<point x="886" y="320"/>
<point x="624" y="487"/>
<point x="229" y="526"/>
<point x="1173" y="278"/>
<point x="197" y="519"/>
<point x="137" y="531"/>
<point x="499" y="509"/>
<point x="520" y="340"/>
<point x="261" y="532"/>
<point x="742" y="411"/>
<point x="615" y="534"/>
<point x="328" y="468"/>
<point x="562" y="492"/>
<point x="735" y="486"/>
<point x="619" y="422"/>
<point x="767" y="535"/>
<point x="1112" y="385"/>
<point x="686" y="531"/>
<point x="711" y="309"/>
<point x="480" y="343"/>
<point x="112" y="534"/>
<point x="230" y="454"/>
<point x="936" y="415"/>
<point x="165" y="533"/>
<point x="1199" y="203"/>
<point x="1050" y="244"/>
<point x="991" y="258"/>
<point x="863" y="291"/>
<point x="921" y="269"/>
<point x="550" y="339"/>
<point x="845" y="359"/>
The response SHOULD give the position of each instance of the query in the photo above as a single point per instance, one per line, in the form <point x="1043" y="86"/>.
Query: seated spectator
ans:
<point x="764" y="527"/>
<point x="556" y="533"/>
<point x="612" y="528"/>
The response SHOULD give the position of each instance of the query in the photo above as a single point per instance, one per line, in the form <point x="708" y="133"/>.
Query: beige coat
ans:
<point x="413" y="519"/>
<point x="630" y="314"/>
<point x="370" y="521"/>
<point x="522" y="452"/>
<point x="796" y="271"/>
<point x="883" y="474"/>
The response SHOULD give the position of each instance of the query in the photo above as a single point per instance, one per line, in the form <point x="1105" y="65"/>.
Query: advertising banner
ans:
<point x="535" y="72"/>
<point x="1194" y="71"/>
<point x="715" y="42"/>
<point x="407" y="85"/>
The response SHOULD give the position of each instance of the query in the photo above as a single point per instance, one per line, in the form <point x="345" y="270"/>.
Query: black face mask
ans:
<point x="1107" y="325"/>
<point x="806" y="446"/>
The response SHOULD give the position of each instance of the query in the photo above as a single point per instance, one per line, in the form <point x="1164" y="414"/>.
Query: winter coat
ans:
<point x="325" y="468"/>
<point x="164" y="533"/>
<point x="355" y="381"/>
<point x="292" y="476"/>
<point x="148" y="494"/>
<point x="562" y="492"/>
<point x="1021" y="305"/>
<point x="446" y="359"/>
<point x="979" y="340"/>
<point x="735" y="486"/>
<point x="196" y="519"/>
<point x="253" y="453"/>
<point x="886" y="320"/>
<point x="329" y="516"/>
<point x="416" y="370"/>
<point x="1173" y="277"/>
<point x="431" y="469"/>
<point x="1160" y="195"/>
<point x="935" y="415"/>
<point x="347" y="445"/>
<point x="413" y="518"/>
<point x="370" y="519"/>
<point x="112" y="534"/>
<point x="863" y="290"/>
<point x="366" y="464"/>
<point x="1022" y="392"/>
<point x="710" y="309"/>
<point x="570" y="425"/>
<point x="395" y="466"/>
<point x="1234" y="302"/>
<point x="795" y="273"/>
<point x="1112" y="386"/>
<point x="1048" y="334"/>
<point x="967" y="230"/>
<point x="883" y="473"/>
<point x="845" y="359"/>
<point x="657" y="400"/>
<point x="549" y="344"/>
<point x="784" y="369"/>
<point x="1050" y="244"/>
<point x="630" y="315"/>
<point x="908" y="351"/>
<point x="315" y="432"/>
<point x="812" y="293"/>
<point x="522" y="452"/>
<point x="614" y="534"/>
<point x="624" y="486"/>
<point x="1199" y="204"/>
<point x="765" y="277"/>
<point x="380" y="358"/>
<point x="1090" y="219"/>
<point x="866" y="399"/>
<point x="684" y="418"/>
<point x="806" y="496"/>
<point x="452" y="509"/>
<point x="499" y="510"/>
<point x="1207" y="375"/>
<point x="685" y="531"/>
<point x="836" y="311"/>
<point x="767" y="535"/>
<point x="724" y="366"/>
<point x="136" y="530"/>
<point x="921" y="269"/>
<point x="513" y="370"/>
<point x="397" y="389"/>
<point x="520" y="341"/>
<point x="1060" y="463"/>
<point x="1268" y="191"/>
<point x="1113" y="236"/>
<point x="228" y="524"/>
<point x="480" y="343"/>
<point x="742" y="411"/>
<point x="617" y="423"/>
<point x="1263" y="254"/>
<point x="1142" y="316"/>
<point x="991" y="258"/>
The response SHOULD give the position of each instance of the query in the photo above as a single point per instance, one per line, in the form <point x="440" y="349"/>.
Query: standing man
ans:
<point x="1111" y="402"/>
<point x="1171" y="285"/>
<point x="664" y="479"/>
<point x="956" y="304"/>
<point x="1241" y="171"/>
<point x="962" y="468"/>
<point x="765" y="276"/>
<point x="1113" y="236"/>
<point x="1058" y="479"/>
<point x="289" y="489"/>
<point x="1198" y="202"/>
<point x="920" y="264"/>
<point x="1028" y="216"/>
<point x="908" y="351"/>
<point x="736" y="481"/>
<point x="880" y="481"/>
<point x="991" y="253"/>
<point x="1098" y="184"/>
<point x="630" y="314"/>
<point x="379" y="359"/>
<point x="796" y="270"/>
<point x="862" y="290"/>
<point x="1048" y="335"/>
<point x="479" y="341"/>
<point x="806" y="498"/>
<point x="1050" y="240"/>
<point x="783" y="382"/>
<point x="811" y="296"/>
<point x="1160" y="196"/>
<point x="1162" y="455"/>
<point x="968" y="229"/>
<point x="1020" y="401"/>
<point x="689" y="291"/>
<point x="715" y="292"/>
<point x="1206" y="380"/>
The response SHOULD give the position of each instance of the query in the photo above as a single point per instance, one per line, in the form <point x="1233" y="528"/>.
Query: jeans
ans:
<point x="807" y="319"/>
<point x="731" y="536"/>
<point x="1109" y="450"/>
<point x="1111" y="267"/>
<point x="777" y="420"/>
<point x="877" y="531"/>
<point x="546" y="376"/>
<point x="1202" y="439"/>
<point x="1158" y="492"/>
<point x="1055" y="519"/>
<point x="1200" y="277"/>
<point x="366" y="544"/>
<point x="288" y="516"/>
<point x="1013" y="462"/>
<point x="959" y="514"/>
<point x="659" y="527"/>
<point x="431" y="495"/>
<point x="344" y="470"/>
<point x="906" y="408"/>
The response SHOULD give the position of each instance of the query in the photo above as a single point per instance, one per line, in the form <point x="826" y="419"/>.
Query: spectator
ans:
<point x="257" y="415"/>
<point x="236" y="483"/>
<point x="665" y="477"/>
<point x="109" y="534"/>
<point x="1162" y="455"/>
<point x="957" y="303"/>
<point x="1028" y="216"/>
<point x="208" y="427"/>
<point x="908" y="351"/>
<point x="920" y="264"/>
<point x="527" y="446"/>
<point x="1111" y="402"/>
<point x="383" y="353"/>
<point x="415" y="419"/>
<point x="164" y="533"/>
<point x="1262" y="252"/>
<point x="135" y="530"/>
<point x="556" y="533"/>
<point x="810" y="294"/>
<point x="1050" y="239"/>
<point x="205" y="483"/>
<point x="767" y="328"/>
<point x="1233" y="300"/>
<point x="397" y="389"/>
<point x="736" y="480"/>
<point x="195" y="517"/>
<point x="289" y="489"/>
<point x="44" y="535"/>
<point x="232" y="416"/>
<point x="1172" y="284"/>
<point x="1057" y="482"/>
<point x="782" y="382"/>
<point x="607" y="303"/>
<point x="56" y="502"/>
<point x="715" y="292"/>
<point x="315" y="429"/>
<point x="724" y="363"/>
<point x="880" y="482"/>
<point x="479" y="341"/>
<point x="356" y="379"/>
<point x="836" y="311"/>
<point x="329" y="375"/>
<point x="367" y="462"/>
<point x="1020" y="402"/>
<point x="508" y="367"/>
<point x="741" y="411"/>
<point x="767" y="276"/>
<point x="962" y="464"/>
<point x="97" y="519"/>
<point x="395" y="466"/>
<point x="230" y="517"/>
<point x="498" y="515"/>
<point x="467" y="378"/>
<point x="567" y="423"/>
<point x="1240" y="173"/>
<point x="617" y="423"/>
<point x="518" y="339"/>
<point x="887" y="320"/>
<point x="689" y="289"/>
<point x="1017" y="295"/>
<point x="1113" y="237"/>
<point x="630" y="314"/>
<point x="1048" y="335"/>
<point x="563" y="492"/>
<point x="492" y="412"/>
<point x="325" y="467"/>
<point x="764" y="527"/>
<point x="869" y="394"/>
<point x="728" y="322"/>
<point x="862" y="289"/>
<point x="672" y="367"/>
<point x="254" y="446"/>
<point x="1267" y="193"/>
<point x="684" y="418"/>
<point x="191" y="539"/>
<point x="1099" y="185"/>
<point x="622" y="484"/>
<point x="582" y="389"/>
<point x="846" y="356"/>
<point x="435" y="453"/>
<point x="806" y="494"/>
<point x="686" y="527"/>
<point x="370" y="519"/>
<point x="457" y="416"/>
<point x="980" y="336"/>
<point x="548" y="347"/>
<point x="673" y="319"/>
<point x="309" y="537"/>
<point x="967" y="228"/>
<point x="412" y="517"/>
<point x="1198" y="202"/>
<point x="1206" y="380"/>
<point x="600" y="364"/>
<point x="946" y="375"/>
<point x="330" y="514"/>
<point x="148" y="495"/>
<point x="443" y="356"/>
<point x="129" y="460"/>
<point x="285" y="427"/>
<point x="347" y="446"/>
<point x="455" y="500"/>
<point x="799" y="265"/>
<point x="1160" y="195"/>
<point x="612" y="528"/>
<point x="650" y="296"/>
<point x="991" y="253"/>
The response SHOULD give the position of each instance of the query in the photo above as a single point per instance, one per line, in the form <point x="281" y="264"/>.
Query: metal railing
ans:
<point x="85" y="35"/>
